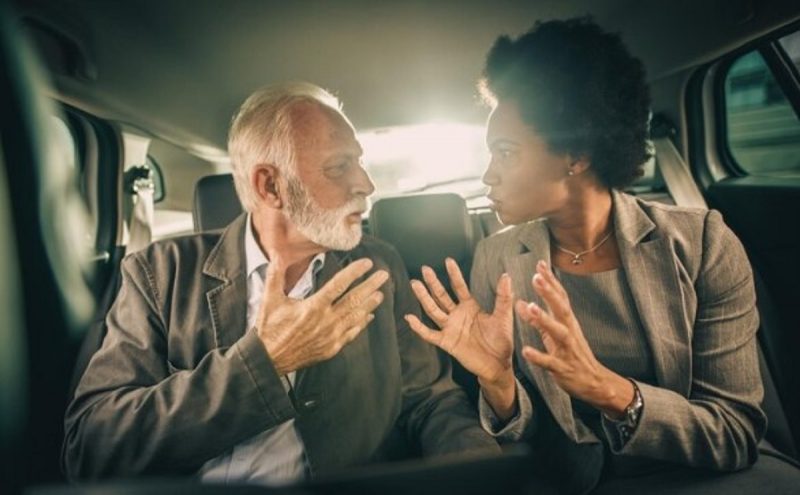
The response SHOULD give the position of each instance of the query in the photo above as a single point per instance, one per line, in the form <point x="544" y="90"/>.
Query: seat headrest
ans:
<point x="215" y="203"/>
<point x="425" y="229"/>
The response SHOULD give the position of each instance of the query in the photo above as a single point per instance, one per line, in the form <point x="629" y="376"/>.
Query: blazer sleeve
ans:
<point x="719" y="425"/>
<point x="436" y="413"/>
<point x="133" y="413"/>
<point x="522" y="425"/>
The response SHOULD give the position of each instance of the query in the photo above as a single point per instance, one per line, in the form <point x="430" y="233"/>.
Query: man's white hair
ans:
<point x="261" y="132"/>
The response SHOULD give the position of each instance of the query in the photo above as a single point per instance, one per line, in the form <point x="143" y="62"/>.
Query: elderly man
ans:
<point x="277" y="349"/>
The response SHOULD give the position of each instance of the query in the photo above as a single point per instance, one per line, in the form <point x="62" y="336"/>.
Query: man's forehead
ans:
<point x="316" y="124"/>
<point x="315" y="119"/>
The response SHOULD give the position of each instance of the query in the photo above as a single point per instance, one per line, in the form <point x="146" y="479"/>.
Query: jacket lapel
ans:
<point x="304" y="380"/>
<point x="227" y="302"/>
<point x="535" y="240"/>
<point x="649" y="262"/>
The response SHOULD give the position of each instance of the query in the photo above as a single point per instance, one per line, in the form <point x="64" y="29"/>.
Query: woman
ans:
<point x="644" y="314"/>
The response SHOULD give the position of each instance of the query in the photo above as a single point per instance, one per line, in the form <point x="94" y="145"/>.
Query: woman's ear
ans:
<point x="266" y="185"/>
<point x="578" y="165"/>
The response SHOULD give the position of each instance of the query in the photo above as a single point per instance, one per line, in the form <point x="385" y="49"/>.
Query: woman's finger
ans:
<point x="544" y="322"/>
<point x="428" y="304"/>
<point x="440" y="294"/>
<point x="457" y="281"/>
<point x="556" y="303"/>
<point x="543" y="268"/>
<point x="504" y="302"/>
<point x="427" y="334"/>
<point x="540" y="359"/>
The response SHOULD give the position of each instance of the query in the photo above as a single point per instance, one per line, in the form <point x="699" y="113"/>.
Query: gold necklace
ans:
<point x="577" y="258"/>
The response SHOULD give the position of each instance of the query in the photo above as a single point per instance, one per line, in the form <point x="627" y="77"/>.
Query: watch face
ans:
<point x="632" y="411"/>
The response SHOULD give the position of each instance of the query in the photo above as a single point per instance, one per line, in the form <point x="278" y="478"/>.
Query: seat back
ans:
<point x="426" y="229"/>
<point x="216" y="203"/>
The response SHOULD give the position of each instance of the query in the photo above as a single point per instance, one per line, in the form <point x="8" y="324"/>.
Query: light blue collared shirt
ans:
<point x="275" y="456"/>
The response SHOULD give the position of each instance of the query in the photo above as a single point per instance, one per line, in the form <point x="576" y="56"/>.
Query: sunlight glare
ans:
<point x="416" y="157"/>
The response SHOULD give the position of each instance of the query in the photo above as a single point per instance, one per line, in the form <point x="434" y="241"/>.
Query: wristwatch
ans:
<point x="627" y="425"/>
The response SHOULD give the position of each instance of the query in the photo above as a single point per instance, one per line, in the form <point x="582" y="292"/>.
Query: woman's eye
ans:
<point x="503" y="154"/>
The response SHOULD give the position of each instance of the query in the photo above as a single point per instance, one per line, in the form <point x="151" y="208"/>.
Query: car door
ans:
<point x="744" y="144"/>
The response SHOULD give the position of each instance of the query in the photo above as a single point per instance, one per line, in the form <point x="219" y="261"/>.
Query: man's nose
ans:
<point x="362" y="184"/>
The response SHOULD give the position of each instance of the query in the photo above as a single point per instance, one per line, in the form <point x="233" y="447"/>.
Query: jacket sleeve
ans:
<point x="521" y="425"/>
<point x="719" y="425"/>
<point x="436" y="413"/>
<point x="133" y="413"/>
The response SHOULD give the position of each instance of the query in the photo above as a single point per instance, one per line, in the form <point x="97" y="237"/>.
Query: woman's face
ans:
<point x="526" y="180"/>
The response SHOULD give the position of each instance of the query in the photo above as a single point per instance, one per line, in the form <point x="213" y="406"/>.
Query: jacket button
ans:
<point x="310" y="404"/>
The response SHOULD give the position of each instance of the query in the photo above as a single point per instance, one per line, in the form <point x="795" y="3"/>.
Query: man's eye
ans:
<point x="336" y="171"/>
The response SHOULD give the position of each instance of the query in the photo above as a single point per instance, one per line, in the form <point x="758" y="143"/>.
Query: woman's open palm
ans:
<point x="483" y="343"/>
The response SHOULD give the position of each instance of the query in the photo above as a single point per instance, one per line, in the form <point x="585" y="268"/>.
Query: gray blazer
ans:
<point x="694" y="293"/>
<point x="179" y="380"/>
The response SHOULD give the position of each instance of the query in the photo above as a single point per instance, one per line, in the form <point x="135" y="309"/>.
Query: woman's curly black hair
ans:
<point x="580" y="89"/>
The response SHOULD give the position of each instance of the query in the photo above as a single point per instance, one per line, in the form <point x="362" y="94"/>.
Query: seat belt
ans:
<point x="677" y="178"/>
<point x="140" y="188"/>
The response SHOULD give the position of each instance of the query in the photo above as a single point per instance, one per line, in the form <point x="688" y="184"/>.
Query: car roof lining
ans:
<point x="180" y="68"/>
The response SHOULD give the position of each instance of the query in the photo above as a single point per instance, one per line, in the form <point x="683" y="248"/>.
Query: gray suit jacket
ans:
<point x="694" y="294"/>
<point x="179" y="380"/>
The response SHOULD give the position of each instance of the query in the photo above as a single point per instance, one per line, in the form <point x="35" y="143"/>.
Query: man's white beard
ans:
<point x="323" y="226"/>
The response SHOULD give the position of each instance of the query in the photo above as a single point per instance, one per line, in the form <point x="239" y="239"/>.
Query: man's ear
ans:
<point x="266" y="185"/>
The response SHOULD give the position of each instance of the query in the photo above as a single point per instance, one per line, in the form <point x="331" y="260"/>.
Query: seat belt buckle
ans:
<point x="139" y="178"/>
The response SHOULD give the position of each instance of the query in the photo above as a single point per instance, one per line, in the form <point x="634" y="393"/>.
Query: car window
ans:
<point x="763" y="130"/>
<point x="433" y="157"/>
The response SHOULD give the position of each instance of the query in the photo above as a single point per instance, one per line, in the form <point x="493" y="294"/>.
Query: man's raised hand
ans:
<point x="301" y="333"/>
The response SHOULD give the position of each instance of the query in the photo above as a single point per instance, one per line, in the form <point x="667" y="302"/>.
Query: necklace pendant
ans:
<point x="577" y="260"/>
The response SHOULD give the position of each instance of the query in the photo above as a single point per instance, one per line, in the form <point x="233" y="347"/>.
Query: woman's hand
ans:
<point x="568" y="357"/>
<point x="483" y="343"/>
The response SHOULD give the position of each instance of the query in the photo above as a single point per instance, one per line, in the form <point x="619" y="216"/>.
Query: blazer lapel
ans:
<point x="535" y="240"/>
<point x="649" y="263"/>
<point x="227" y="302"/>
<point x="305" y="381"/>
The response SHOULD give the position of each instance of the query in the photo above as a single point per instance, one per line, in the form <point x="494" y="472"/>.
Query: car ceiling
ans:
<point x="180" y="68"/>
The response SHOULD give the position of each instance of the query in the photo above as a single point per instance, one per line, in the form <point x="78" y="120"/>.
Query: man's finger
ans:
<point x="354" y="331"/>
<point x="457" y="280"/>
<point x="437" y="289"/>
<point x="275" y="279"/>
<point x="356" y="296"/>
<point x="347" y="317"/>
<point x="371" y="303"/>
<point x="337" y="285"/>
<point x="425" y="333"/>
<point x="428" y="304"/>
<point x="504" y="302"/>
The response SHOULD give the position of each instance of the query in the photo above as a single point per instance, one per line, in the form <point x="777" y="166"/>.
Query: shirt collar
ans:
<point x="255" y="258"/>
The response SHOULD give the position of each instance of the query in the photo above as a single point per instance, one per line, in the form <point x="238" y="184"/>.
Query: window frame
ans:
<point x="98" y="153"/>
<point x="782" y="70"/>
